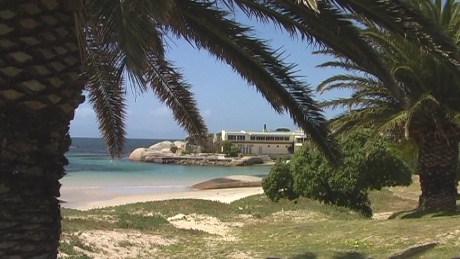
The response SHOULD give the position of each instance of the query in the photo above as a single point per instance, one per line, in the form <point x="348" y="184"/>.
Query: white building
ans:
<point x="265" y="142"/>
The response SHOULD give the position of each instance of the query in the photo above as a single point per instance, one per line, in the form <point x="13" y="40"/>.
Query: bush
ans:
<point x="230" y="149"/>
<point x="364" y="168"/>
<point x="279" y="183"/>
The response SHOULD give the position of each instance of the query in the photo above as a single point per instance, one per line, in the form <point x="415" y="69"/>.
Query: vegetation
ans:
<point x="279" y="183"/>
<point x="230" y="149"/>
<point x="282" y="130"/>
<point x="366" y="166"/>
<point x="423" y="106"/>
<point x="255" y="227"/>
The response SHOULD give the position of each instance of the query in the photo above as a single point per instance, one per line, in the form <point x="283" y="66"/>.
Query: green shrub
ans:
<point x="230" y="149"/>
<point x="279" y="183"/>
<point x="365" y="167"/>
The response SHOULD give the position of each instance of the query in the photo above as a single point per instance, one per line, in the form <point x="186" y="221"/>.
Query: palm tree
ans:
<point x="428" y="111"/>
<point x="45" y="42"/>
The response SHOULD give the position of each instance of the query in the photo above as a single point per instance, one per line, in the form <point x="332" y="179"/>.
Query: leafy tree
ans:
<point x="424" y="106"/>
<point x="366" y="167"/>
<point x="230" y="149"/>
<point x="282" y="130"/>
<point x="44" y="43"/>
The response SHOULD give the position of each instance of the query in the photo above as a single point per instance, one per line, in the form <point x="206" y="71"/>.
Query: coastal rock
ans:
<point x="151" y="154"/>
<point x="233" y="181"/>
<point x="167" y="152"/>
<point x="180" y="145"/>
<point x="138" y="154"/>
<point x="162" y="147"/>
<point x="249" y="160"/>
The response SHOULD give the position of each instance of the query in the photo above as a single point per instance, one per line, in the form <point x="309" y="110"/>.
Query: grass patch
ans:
<point x="139" y="222"/>
<point x="68" y="245"/>
<point x="169" y="208"/>
<point x="385" y="200"/>
<point x="285" y="229"/>
<point x="260" y="206"/>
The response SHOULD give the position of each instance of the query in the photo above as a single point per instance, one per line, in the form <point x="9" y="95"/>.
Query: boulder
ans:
<point x="179" y="144"/>
<point x="162" y="147"/>
<point x="155" y="152"/>
<point x="248" y="160"/>
<point x="138" y="154"/>
<point x="233" y="181"/>
<point x="167" y="152"/>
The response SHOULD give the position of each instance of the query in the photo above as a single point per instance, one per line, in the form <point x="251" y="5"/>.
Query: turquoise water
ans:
<point x="91" y="168"/>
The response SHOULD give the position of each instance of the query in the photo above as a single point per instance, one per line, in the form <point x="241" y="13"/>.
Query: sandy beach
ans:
<point x="214" y="189"/>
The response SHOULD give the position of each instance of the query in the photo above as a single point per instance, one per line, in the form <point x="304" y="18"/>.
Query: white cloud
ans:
<point x="85" y="111"/>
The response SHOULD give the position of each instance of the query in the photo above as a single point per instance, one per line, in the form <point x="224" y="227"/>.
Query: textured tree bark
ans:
<point x="39" y="92"/>
<point x="438" y="158"/>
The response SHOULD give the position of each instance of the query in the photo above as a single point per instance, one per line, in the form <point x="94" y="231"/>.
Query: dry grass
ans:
<point x="254" y="227"/>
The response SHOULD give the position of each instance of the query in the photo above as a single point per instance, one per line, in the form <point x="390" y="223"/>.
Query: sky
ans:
<point x="224" y="99"/>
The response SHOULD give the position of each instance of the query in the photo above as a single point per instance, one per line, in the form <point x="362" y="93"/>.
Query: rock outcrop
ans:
<point x="167" y="152"/>
<point x="160" y="149"/>
<point x="233" y="181"/>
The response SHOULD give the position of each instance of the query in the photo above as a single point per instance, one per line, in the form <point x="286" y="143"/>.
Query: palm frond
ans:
<point x="208" y="28"/>
<point x="343" y="64"/>
<point x="393" y="123"/>
<point x="344" y="81"/>
<point x="330" y="27"/>
<point x="312" y="4"/>
<point x="131" y="33"/>
<point x="336" y="103"/>
<point x="169" y="86"/>
<point x="401" y="17"/>
<point x="104" y="86"/>
<point x="367" y="117"/>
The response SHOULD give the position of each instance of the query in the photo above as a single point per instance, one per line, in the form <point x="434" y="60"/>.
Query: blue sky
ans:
<point x="224" y="99"/>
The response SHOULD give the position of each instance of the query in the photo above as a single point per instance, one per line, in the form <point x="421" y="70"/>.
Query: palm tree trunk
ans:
<point x="39" y="92"/>
<point x="438" y="158"/>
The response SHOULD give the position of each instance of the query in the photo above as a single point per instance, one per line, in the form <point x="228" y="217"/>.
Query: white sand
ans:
<point x="222" y="195"/>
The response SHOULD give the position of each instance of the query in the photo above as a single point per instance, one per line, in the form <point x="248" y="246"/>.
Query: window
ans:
<point x="239" y="137"/>
<point x="253" y="138"/>
<point x="231" y="137"/>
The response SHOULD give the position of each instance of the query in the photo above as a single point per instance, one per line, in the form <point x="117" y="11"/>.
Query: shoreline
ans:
<point x="224" y="189"/>
<point x="227" y="195"/>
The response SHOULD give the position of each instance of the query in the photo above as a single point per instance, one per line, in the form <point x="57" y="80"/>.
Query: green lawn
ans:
<point x="254" y="227"/>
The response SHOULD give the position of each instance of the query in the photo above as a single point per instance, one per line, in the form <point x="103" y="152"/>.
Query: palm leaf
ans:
<point x="400" y="17"/>
<point x="256" y="63"/>
<point x="170" y="88"/>
<point x="105" y="91"/>
<point x="330" y="27"/>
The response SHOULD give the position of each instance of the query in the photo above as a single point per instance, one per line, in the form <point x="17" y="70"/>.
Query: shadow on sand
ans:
<point x="413" y="214"/>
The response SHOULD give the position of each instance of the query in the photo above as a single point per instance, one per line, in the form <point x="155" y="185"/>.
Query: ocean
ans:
<point x="91" y="171"/>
